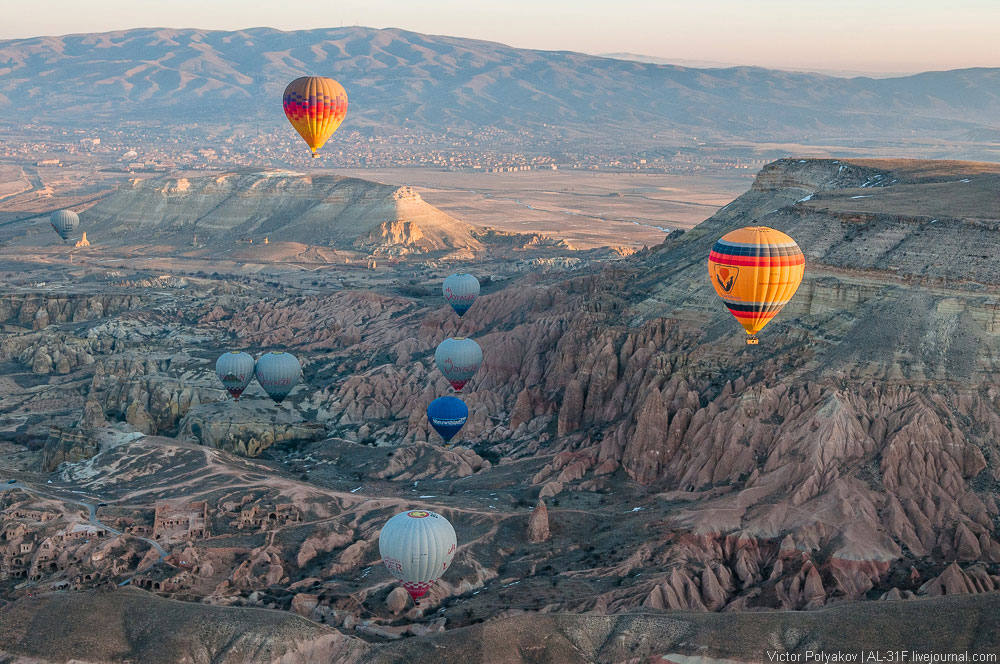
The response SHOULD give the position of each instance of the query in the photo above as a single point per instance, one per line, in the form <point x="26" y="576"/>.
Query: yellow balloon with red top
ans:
<point x="756" y="271"/>
<point x="315" y="105"/>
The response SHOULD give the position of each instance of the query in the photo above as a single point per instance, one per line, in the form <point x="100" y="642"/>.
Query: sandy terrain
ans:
<point x="588" y="209"/>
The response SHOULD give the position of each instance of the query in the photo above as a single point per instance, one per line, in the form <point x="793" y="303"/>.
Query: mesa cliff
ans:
<point x="283" y="206"/>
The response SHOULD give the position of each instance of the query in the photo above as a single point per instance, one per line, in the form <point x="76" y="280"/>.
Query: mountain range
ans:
<point x="715" y="64"/>
<point x="398" y="79"/>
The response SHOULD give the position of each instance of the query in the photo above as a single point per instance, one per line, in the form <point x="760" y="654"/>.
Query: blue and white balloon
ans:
<point x="447" y="415"/>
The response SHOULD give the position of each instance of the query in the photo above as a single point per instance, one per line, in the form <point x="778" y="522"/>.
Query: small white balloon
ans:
<point x="460" y="290"/>
<point x="458" y="359"/>
<point x="235" y="369"/>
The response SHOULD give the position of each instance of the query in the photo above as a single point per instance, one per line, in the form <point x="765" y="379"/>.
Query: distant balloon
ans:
<point x="461" y="290"/>
<point x="315" y="105"/>
<point x="756" y="271"/>
<point x="458" y="359"/>
<point x="447" y="415"/>
<point x="278" y="372"/>
<point x="65" y="222"/>
<point x="417" y="547"/>
<point x="235" y="370"/>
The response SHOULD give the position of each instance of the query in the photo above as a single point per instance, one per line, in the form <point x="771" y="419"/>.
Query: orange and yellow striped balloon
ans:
<point x="756" y="271"/>
<point x="315" y="105"/>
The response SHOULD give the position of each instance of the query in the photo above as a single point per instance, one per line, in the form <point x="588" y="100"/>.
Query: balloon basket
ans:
<point x="752" y="340"/>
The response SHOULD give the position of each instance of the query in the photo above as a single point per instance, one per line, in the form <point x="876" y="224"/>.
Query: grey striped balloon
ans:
<point x="278" y="372"/>
<point x="64" y="222"/>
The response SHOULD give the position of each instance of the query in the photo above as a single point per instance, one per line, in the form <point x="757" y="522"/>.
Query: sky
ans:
<point x="848" y="35"/>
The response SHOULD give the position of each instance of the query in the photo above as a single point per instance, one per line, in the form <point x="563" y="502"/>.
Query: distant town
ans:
<point x="488" y="150"/>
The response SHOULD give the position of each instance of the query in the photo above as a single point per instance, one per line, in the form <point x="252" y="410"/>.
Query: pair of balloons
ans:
<point x="459" y="358"/>
<point x="277" y="372"/>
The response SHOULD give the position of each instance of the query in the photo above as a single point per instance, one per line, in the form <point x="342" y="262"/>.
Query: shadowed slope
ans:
<point x="132" y="625"/>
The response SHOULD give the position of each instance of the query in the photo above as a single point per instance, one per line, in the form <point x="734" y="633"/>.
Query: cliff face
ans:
<point x="282" y="206"/>
<point x="247" y="428"/>
<point x="35" y="311"/>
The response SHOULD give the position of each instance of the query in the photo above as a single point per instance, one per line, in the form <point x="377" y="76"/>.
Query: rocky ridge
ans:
<point x="858" y="443"/>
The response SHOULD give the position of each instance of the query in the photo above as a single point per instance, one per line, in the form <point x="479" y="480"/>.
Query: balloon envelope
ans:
<point x="417" y="547"/>
<point x="458" y="359"/>
<point x="64" y="222"/>
<point x="235" y="369"/>
<point x="460" y="290"/>
<point x="315" y="105"/>
<point x="447" y="415"/>
<point x="755" y="270"/>
<point x="278" y="372"/>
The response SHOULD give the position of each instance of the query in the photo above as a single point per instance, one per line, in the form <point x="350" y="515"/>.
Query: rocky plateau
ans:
<point x="633" y="482"/>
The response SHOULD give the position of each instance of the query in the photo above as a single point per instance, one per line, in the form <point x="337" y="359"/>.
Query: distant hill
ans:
<point x="399" y="79"/>
<point x="321" y="210"/>
<point x="713" y="64"/>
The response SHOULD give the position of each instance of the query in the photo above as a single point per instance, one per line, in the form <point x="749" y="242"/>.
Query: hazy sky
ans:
<point x="865" y="35"/>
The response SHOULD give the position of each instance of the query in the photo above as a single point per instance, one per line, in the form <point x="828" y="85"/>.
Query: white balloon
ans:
<point x="64" y="222"/>
<point x="461" y="290"/>
<point x="458" y="359"/>
<point x="417" y="546"/>
<point x="278" y="372"/>
<point x="235" y="369"/>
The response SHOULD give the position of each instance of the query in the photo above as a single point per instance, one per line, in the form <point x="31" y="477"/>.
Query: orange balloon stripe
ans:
<point x="756" y="271"/>
<point x="315" y="106"/>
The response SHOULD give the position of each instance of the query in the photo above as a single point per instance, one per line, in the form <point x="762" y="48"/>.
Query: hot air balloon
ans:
<point x="278" y="372"/>
<point x="235" y="370"/>
<point x="65" y="222"/>
<point x="315" y="105"/>
<point x="447" y="415"/>
<point x="755" y="270"/>
<point x="417" y="547"/>
<point x="461" y="290"/>
<point x="458" y="359"/>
